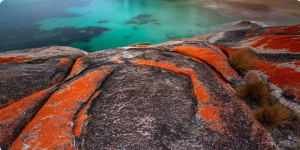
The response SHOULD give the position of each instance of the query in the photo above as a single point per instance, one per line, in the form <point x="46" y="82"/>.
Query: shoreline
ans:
<point x="267" y="12"/>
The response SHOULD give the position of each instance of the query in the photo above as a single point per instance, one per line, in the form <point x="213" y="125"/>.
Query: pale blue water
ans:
<point x="101" y="24"/>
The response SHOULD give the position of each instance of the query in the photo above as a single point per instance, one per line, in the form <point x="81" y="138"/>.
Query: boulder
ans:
<point x="277" y="53"/>
<point x="176" y="95"/>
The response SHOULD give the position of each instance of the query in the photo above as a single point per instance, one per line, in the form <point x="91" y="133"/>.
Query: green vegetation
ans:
<point x="253" y="93"/>
<point x="241" y="61"/>
<point x="273" y="116"/>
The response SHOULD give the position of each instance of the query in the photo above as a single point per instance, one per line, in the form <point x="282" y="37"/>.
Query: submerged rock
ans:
<point x="175" y="95"/>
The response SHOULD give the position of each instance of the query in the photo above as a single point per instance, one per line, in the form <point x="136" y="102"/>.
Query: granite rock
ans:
<point x="175" y="95"/>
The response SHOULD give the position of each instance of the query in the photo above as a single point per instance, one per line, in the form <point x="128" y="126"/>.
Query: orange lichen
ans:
<point x="279" y="42"/>
<point x="64" y="61"/>
<point x="77" y="68"/>
<point x="294" y="29"/>
<point x="55" y="118"/>
<point x="217" y="49"/>
<point x="283" y="77"/>
<point x="218" y="76"/>
<point x="199" y="90"/>
<point x="8" y="102"/>
<point x="210" y="113"/>
<point x="4" y="78"/>
<point x="290" y="30"/>
<point x="12" y="116"/>
<point x="117" y="60"/>
<point x="82" y="116"/>
<point x="13" y="59"/>
<point x="210" y="57"/>
<point x="227" y="51"/>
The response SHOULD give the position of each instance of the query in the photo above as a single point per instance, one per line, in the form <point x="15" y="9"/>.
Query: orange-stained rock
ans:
<point x="13" y="59"/>
<point x="210" y="113"/>
<point x="294" y="29"/>
<point x="200" y="91"/>
<point x="218" y="76"/>
<point x="283" y="75"/>
<point x="77" y="68"/>
<point x="283" y="43"/>
<point x="22" y="79"/>
<point x="82" y="116"/>
<point x="274" y="40"/>
<point x="15" y="116"/>
<point x="211" y="57"/>
<point x="117" y="60"/>
<point x="153" y="97"/>
<point x="52" y="127"/>
<point x="64" y="61"/>
<point x="227" y="51"/>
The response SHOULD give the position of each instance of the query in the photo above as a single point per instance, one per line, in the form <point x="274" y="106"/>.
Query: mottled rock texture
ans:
<point x="277" y="51"/>
<point x="176" y="95"/>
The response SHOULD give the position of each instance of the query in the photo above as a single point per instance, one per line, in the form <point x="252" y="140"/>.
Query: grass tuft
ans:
<point x="241" y="61"/>
<point x="273" y="116"/>
<point x="253" y="93"/>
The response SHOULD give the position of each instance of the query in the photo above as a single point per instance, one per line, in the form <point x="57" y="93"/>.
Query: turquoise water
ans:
<point x="101" y="24"/>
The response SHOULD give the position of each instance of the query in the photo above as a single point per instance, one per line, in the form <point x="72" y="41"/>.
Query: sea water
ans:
<point x="102" y="24"/>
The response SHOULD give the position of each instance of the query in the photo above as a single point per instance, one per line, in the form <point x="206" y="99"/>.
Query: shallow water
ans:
<point x="101" y="24"/>
<point x="264" y="12"/>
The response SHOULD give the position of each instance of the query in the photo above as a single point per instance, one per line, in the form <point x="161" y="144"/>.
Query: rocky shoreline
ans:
<point x="175" y="95"/>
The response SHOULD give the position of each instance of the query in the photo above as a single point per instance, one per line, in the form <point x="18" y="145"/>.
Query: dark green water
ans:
<point x="100" y="24"/>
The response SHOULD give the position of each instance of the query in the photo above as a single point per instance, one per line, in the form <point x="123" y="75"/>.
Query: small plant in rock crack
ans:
<point x="241" y="61"/>
<point x="273" y="116"/>
<point x="253" y="93"/>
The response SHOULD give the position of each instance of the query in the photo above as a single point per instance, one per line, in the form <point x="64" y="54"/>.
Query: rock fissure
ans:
<point x="54" y="116"/>
<point x="213" y="69"/>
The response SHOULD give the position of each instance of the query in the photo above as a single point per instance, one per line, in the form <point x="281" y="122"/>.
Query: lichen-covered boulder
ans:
<point x="277" y="51"/>
<point x="176" y="95"/>
<point x="27" y="79"/>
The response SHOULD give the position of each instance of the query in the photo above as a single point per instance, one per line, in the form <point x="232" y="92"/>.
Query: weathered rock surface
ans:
<point x="176" y="95"/>
<point x="278" y="57"/>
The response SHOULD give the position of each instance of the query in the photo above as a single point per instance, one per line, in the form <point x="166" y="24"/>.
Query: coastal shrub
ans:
<point x="273" y="116"/>
<point x="241" y="61"/>
<point x="253" y="93"/>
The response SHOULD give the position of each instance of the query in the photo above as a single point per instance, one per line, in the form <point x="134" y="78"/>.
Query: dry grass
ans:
<point x="273" y="116"/>
<point x="241" y="61"/>
<point x="253" y="93"/>
<point x="298" y="143"/>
